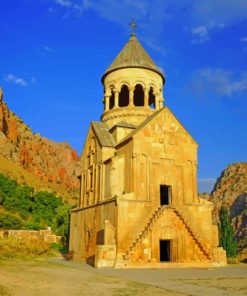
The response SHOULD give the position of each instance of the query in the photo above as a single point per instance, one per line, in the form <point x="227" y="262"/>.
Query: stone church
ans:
<point x="138" y="204"/>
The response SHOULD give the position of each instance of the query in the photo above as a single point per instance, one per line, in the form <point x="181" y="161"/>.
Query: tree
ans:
<point x="62" y="220"/>
<point x="226" y="233"/>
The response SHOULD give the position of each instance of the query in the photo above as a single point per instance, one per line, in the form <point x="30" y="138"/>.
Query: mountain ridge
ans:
<point x="51" y="162"/>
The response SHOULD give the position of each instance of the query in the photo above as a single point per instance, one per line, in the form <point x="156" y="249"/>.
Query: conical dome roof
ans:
<point x="133" y="55"/>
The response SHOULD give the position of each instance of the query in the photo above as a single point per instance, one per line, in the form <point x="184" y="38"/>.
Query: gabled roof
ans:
<point x="123" y="124"/>
<point x="146" y="121"/>
<point x="150" y="118"/>
<point x="133" y="55"/>
<point x="102" y="133"/>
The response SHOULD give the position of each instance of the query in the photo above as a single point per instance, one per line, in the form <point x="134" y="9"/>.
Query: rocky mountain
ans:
<point x="50" y="161"/>
<point x="230" y="190"/>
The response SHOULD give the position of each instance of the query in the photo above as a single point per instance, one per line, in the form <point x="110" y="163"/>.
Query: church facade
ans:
<point x="138" y="203"/>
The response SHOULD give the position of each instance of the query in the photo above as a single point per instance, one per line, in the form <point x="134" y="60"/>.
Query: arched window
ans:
<point x="138" y="95"/>
<point x="151" y="98"/>
<point x="112" y="98"/>
<point x="124" y="96"/>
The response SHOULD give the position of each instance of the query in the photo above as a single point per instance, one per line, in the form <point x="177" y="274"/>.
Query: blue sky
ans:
<point x="54" y="52"/>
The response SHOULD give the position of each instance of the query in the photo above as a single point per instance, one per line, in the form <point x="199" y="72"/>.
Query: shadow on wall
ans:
<point x="100" y="237"/>
<point x="90" y="260"/>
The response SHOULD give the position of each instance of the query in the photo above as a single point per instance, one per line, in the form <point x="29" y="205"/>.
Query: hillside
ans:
<point x="22" y="176"/>
<point x="231" y="190"/>
<point x="38" y="161"/>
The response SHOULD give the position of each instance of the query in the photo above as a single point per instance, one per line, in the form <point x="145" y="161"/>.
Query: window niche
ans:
<point x="138" y="95"/>
<point x="124" y="96"/>
<point x="151" y="98"/>
<point x="111" y="100"/>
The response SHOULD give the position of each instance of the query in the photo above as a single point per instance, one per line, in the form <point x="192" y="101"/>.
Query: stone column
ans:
<point x="116" y="96"/>
<point x="134" y="171"/>
<point x="84" y="198"/>
<point x="131" y="97"/>
<point x="103" y="182"/>
<point x="146" y="97"/>
<point x="157" y="105"/>
<point x="107" y="99"/>
<point x="161" y="102"/>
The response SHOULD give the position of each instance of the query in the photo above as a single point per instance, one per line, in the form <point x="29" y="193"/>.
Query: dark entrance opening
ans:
<point x="165" y="250"/>
<point x="165" y="198"/>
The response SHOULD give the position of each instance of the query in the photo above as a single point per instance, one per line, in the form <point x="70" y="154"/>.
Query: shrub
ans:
<point x="31" y="225"/>
<point x="8" y="221"/>
<point x="2" y="197"/>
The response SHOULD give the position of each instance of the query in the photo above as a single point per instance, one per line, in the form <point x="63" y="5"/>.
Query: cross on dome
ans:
<point x="133" y="25"/>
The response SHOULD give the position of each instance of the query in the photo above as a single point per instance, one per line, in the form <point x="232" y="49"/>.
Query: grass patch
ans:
<point x="24" y="249"/>
<point x="4" y="291"/>
<point x="232" y="260"/>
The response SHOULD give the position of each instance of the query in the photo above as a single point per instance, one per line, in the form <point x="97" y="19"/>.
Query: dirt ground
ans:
<point x="66" y="278"/>
<point x="233" y="285"/>
<point x="40" y="277"/>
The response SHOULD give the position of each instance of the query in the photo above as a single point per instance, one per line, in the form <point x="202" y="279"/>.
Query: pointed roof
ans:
<point x="133" y="55"/>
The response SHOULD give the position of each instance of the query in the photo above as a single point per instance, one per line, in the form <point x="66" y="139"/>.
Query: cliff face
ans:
<point x="231" y="183"/>
<point x="230" y="190"/>
<point x="51" y="161"/>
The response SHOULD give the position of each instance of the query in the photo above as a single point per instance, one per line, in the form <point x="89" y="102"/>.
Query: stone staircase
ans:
<point x="182" y="215"/>
<point x="157" y="213"/>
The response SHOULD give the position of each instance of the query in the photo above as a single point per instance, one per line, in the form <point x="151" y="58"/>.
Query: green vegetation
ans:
<point x="27" y="209"/>
<point x="8" y="221"/>
<point x="226" y="234"/>
<point x="24" y="249"/>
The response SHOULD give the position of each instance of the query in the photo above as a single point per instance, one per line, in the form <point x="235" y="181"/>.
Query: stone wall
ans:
<point x="43" y="235"/>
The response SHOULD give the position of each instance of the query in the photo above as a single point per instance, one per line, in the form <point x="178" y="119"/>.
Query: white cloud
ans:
<point x="78" y="9"/>
<point x="223" y="81"/>
<point x="74" y="9"/>
<point x="200" y="34"/>
<point x="65" y="3"/>
<point x="18" y="80"/>
<point x="47" y="49"/>
<point x="202" y="17"/>
<point x="218" y="81"/>
<point x="218" y="11"/>
<point x="201" y="31"/>
<point x="150" y="16"/>
<point x="202" y="12"/>
<point x="215" y="14"/>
